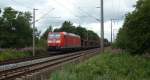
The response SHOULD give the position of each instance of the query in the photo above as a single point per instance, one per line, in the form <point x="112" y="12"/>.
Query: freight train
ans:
<point x="63" y="41"/>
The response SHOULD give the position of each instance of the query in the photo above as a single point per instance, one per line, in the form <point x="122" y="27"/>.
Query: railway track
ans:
<point x="49" y="54"/>
<point x="15" y="70"/>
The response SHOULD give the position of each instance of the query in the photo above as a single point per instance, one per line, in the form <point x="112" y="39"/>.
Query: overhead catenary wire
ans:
<point x="69" y="10"/>
<point x="73" y="13"/>
<point x="118" y="10"/>
<point x="44" y="15"/>
<point x="86" y="13"/>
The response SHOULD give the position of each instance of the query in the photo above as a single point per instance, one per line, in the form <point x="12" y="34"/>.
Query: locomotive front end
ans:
<point x="54" y="41"/>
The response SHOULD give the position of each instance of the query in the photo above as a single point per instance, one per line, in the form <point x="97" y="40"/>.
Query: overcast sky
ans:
<point x="83" y="12"/>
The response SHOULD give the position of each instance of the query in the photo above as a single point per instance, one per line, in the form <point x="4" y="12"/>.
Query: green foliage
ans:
<point x="107" y="66"/>
<point x="13" y="54"/>
<point x="82" y="32"/>
<point x="10" y="54"/>
<point x="15" y="30"/>
<point x="42" y="43"/>
<point x="44" y="36"/>
<point x="135" y="34"/>
<point x="0" y="10"/>
<point x="67" y="26"/>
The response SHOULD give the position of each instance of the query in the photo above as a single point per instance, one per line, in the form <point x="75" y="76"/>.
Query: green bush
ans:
<point x="135" y="34"/>
<point x="10" y="54"/>
<point x="19" y="33"/>
<point x="41" y="43"/>
<point x="107" y="67"/>
<point x="13" y="54"/>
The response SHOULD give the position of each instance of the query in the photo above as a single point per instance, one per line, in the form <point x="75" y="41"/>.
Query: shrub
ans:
<point x="135" y="34"/>
<point x="107" y="67"/>
<point x="13" y="54"/>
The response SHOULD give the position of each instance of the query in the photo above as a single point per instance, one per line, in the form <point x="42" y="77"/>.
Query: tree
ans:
<point x="82" y="32"/>
<point x="85" y="34"/>
<point x="23" y="30"/>
<point x="7" y="29"/>
<point x="135" y="34"/>
<point x="57" y="30"/>
<point x="15" y="29"/>
<point x="0" y="11"/>
<point x="67" y="26"/>
<point x="45" y="35"/>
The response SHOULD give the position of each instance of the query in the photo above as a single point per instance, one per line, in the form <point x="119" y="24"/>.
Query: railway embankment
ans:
<point x="107" y="66"/>
<point x="38" y="69"/>
<point x="8" y="55"/>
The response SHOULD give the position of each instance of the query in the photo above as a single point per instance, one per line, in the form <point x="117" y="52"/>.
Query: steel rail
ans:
<point x="14" y="73"/>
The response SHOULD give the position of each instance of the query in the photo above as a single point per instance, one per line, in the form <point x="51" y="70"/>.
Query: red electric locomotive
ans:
<point x="63" y="41"/>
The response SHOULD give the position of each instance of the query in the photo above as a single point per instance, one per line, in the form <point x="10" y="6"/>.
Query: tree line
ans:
<point x="68" y="26"/>
<point x="16" y="30"/>
<point x="85" y="34"/>
<point x="134" y="37"/>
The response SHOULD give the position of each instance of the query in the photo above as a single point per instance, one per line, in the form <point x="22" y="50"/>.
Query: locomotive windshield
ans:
<point x="54" y="35"/>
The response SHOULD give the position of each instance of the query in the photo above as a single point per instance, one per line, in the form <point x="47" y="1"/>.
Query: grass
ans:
<point x="13" y="54"/>
<point x="107" y="66"/>
<point x="10" y="54"/>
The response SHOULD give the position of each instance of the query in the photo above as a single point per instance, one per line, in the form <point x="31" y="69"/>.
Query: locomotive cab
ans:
<point x="63" y="41"/>
<point x="54" y="40"/>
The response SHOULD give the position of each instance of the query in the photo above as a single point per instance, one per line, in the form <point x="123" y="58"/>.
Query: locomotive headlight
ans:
<point x="49" y="41"/>
<point x="57" y="41"/>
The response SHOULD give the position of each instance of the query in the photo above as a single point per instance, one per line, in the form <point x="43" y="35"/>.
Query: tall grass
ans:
<point x="13" y="54"/>
<point x="10" y="54"/>
<point x="107" y="66"/>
